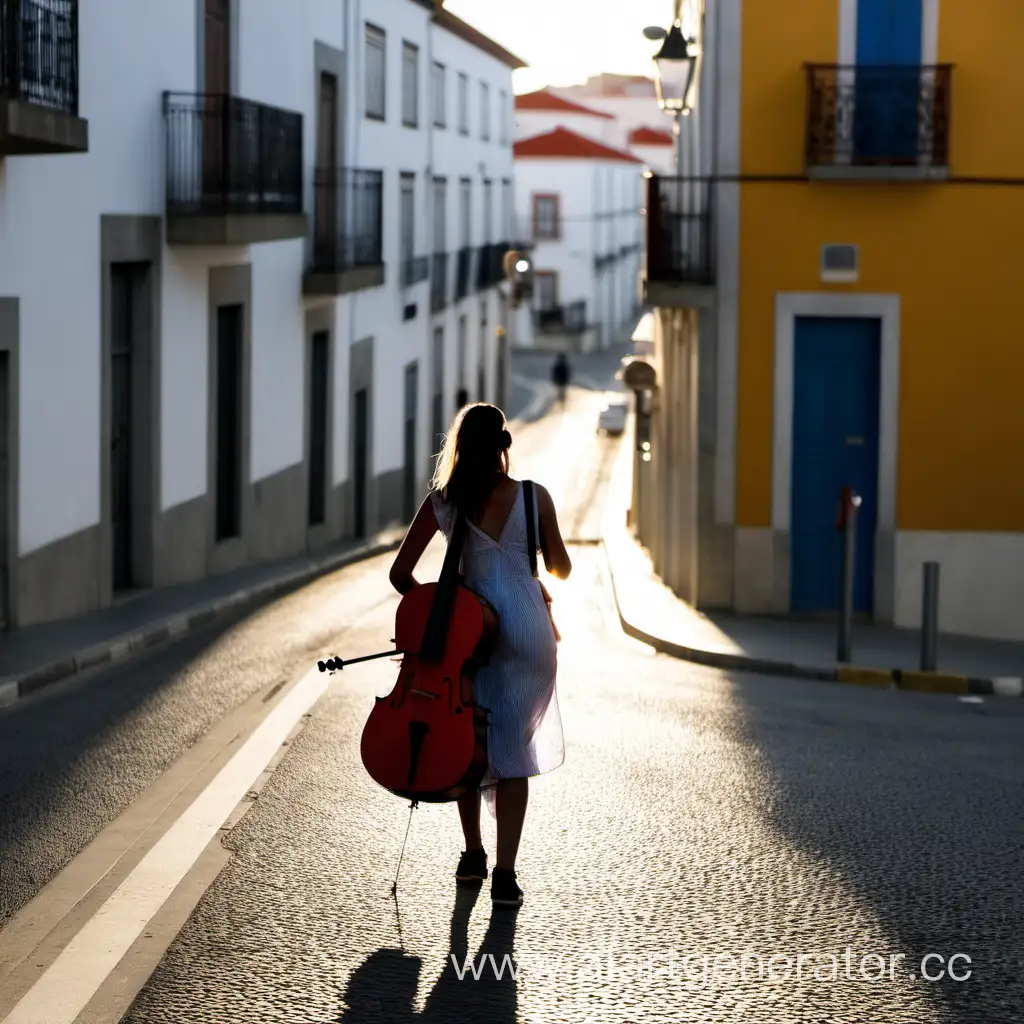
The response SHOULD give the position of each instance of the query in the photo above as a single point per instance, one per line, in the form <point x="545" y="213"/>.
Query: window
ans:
<point x="408" y="216"/>
<point x="506" y="230"/>
<point x="375" y="72"/>
<point x="437" y="93"/>
<point x="440" y="214"/>
<point x="545" y="289"/>
<point x="463" y="104"/>
<point x="410" y="85"/>
<point x="485" y="111"/>
<point x="465" y="213"/>
<point x="488" y="207"/>
<point x="502" y="117"/>
<point x="546" y="219"/>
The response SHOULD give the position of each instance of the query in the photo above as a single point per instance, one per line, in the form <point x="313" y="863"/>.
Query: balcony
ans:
<point x="878" y="123"/>
<point x="438" y="282"/>
<point x="463" y="268"/>
<point x="348" y="218"/>
<point x="679" y="265"/>
<point x="414" y="270"/>
<point x="234" y="171"/>
<point x="569" y="319"/>
<point x="39" y="79"/>
<point x="491" y="267"/>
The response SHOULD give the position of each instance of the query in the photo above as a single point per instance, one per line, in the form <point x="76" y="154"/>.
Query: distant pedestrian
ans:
<point x="560" y="374"/>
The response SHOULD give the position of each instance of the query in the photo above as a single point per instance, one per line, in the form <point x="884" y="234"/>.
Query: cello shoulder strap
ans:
<point x="531" y="532"/>
<point x="435" y="634"/>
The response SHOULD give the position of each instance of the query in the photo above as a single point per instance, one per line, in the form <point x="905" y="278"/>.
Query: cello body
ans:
<point x="427" y="739"/>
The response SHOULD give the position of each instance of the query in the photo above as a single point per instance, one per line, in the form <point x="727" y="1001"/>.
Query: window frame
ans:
<point x="546" y="275"/>
<point x="462" y="100"/>
<point x="370" y="30"/>
<point x="438" y="95"/>
<point x="502" y="117"/>
<point x="413" y="50"/>
<point x="535" y="200"/>
<point x="407" y="178"/>
<point x="485" y="111"/>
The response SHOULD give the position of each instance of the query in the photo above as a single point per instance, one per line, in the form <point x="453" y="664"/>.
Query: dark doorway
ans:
<point x="217" y="87"/>
<point x="126" y="283"/>
<point x="229" y="422"/>
<point x="319" y="387"/>
<point x="326" y="205"/>
<point x="409" y="481"/>
<point x="361" y="439"/>
<point x="5" y="488"/>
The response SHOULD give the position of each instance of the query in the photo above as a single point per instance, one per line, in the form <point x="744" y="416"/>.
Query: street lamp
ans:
<point x="676" y="71"/>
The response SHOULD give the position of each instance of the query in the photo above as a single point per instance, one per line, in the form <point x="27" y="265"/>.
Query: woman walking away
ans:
<point x="517" y="686"/>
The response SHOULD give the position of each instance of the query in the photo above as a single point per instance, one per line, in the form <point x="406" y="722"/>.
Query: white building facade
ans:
<point x="578" y="203"/>
<point x="217" y="339"/>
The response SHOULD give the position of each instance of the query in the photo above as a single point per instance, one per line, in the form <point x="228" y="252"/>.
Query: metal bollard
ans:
<point x="851" y="502"/>
<point x="930" y="617"/>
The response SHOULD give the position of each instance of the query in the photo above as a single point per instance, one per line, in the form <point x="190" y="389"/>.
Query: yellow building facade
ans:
<point x="861" y="327"/>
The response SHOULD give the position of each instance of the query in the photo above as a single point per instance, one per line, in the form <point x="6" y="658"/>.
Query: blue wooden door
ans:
<point x="835" y="445"/>
<point x="888" y="81"/>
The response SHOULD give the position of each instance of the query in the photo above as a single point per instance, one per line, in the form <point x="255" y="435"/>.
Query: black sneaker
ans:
<point x="504" y="890"/>
<point x="472" y="866"/>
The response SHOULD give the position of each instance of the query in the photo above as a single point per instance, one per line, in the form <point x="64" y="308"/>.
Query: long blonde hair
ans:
<point x="473" y="457"/>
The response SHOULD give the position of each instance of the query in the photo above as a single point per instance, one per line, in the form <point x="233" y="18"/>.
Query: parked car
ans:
<point x="612" y="418"/>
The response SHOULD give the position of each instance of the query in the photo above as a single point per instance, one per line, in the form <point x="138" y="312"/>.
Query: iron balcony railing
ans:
<point x="414" y="270"/>
<point x="348" y="219"/>
<point x="483" y="267"/>
<point x="886" y="116"/>
<point x="497" y="259"/>
<point x="439" y="281"/>
<point x="227" y="155"/>
<point x="570" y="319"/>
<point x="679" y="226"/>
<point x="39" y="53"/>
<point x="463" y="268"/>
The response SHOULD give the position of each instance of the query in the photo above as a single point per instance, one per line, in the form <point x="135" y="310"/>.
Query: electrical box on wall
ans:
<point x="840" y="264"/>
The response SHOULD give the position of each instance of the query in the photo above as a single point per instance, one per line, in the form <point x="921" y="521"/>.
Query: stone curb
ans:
<point x="898" y="679"/>
<point x="127" y="645"/>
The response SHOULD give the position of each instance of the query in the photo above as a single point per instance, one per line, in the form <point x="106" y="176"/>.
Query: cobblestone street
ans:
<point x="698" y="814"/>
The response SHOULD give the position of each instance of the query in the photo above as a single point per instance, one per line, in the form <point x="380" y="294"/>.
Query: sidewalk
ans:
<point x="38" y="656"/>
<point x="882" y="656"/>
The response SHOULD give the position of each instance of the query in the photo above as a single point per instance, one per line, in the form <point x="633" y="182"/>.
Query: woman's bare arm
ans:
<point x="419" y="535"/>
<point x="556" y="557"/>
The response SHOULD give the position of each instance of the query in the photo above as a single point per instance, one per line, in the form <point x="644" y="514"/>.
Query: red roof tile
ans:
<point x="543" y="99"/>
<point x="566" y="145"/>
<point x="650" y="137"/>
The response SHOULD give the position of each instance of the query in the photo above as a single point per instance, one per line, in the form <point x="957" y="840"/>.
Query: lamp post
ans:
<point x="676" y="67"/>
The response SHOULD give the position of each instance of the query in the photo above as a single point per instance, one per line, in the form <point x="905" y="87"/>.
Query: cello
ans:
<point x="427" y="739"/>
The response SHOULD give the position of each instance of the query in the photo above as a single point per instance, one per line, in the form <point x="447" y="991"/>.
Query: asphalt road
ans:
<point x="698" y="815"/>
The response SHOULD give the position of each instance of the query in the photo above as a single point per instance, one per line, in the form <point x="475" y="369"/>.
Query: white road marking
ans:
<point x="66" y="987"/>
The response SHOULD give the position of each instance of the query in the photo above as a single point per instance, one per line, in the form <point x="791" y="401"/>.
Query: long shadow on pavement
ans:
<point x="916" y="800"/>
<point x="383" y="987"/>
<point x="76" y="755"/>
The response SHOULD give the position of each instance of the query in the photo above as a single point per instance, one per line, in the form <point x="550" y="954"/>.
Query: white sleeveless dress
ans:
<point x="524" y="736"/>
